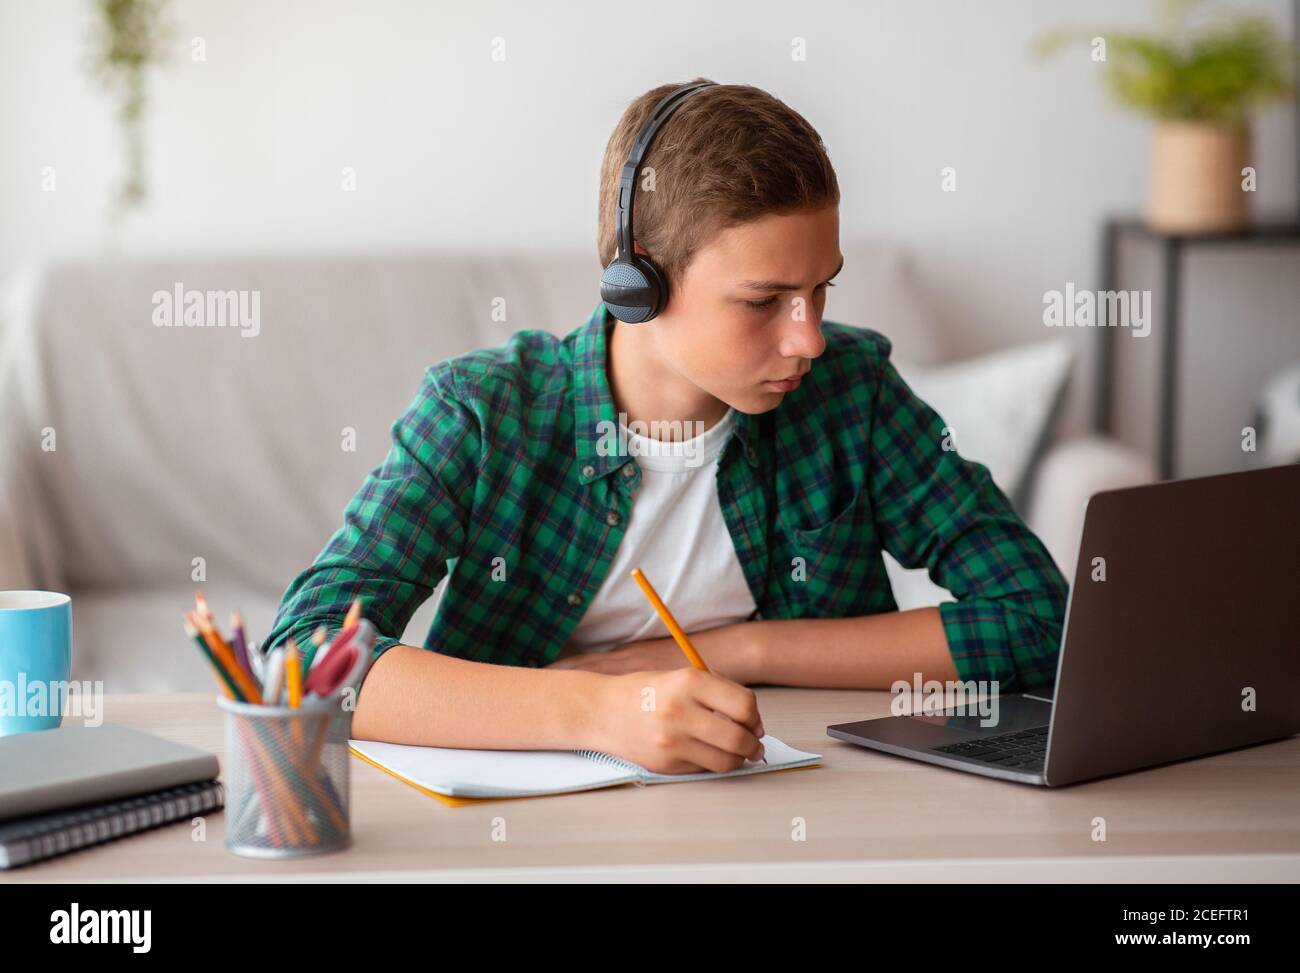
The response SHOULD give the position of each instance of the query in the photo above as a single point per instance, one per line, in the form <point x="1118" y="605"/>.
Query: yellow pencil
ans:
<point x="293" y="683"/>
<point x="292" y="673"/>
<point x="679" y="636"/>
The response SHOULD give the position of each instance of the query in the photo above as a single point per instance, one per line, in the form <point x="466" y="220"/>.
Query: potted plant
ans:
<point x="1200" y="82"/>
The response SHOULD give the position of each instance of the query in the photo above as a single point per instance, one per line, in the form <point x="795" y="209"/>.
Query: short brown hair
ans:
<point x="727" y="156"/>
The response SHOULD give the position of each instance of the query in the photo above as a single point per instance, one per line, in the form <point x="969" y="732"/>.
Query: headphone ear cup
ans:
<point x="629" y="291"/>
<point x="658" y="288"/>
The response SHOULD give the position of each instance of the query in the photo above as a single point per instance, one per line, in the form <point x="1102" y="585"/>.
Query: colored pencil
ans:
<point x="274" y="681"/>
<point x="243" y="678"/>
<point x="238" y="642"/>
<point x="202" y="604"/>
<point x="309" y="653"/>
<point x="293" y="674"/>
<point x="226" y="682"/>
<point x="354" y="613"/>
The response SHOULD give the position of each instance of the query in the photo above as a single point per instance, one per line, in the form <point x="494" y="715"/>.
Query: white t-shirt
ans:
<point x="677" y="536"/>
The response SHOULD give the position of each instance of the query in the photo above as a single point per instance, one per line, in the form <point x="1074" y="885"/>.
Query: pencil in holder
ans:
<point x="287" y="778"/>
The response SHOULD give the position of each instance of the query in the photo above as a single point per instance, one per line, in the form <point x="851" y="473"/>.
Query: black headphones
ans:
<point x="632" y="287"/>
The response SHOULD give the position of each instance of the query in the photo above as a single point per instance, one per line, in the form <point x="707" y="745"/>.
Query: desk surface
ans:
<point x="867" y="816"/>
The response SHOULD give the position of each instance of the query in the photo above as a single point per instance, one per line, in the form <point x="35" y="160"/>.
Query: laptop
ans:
<point x="1181" y="639"/>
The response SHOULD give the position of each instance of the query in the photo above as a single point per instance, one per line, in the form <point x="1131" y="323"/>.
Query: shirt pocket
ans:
<point x="836" y="556"/>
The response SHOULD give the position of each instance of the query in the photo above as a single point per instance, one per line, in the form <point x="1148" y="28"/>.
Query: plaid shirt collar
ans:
<point x="593" y="403"/>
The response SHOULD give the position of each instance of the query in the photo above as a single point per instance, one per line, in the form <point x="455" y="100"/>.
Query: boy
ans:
<point x="753" y="459"/>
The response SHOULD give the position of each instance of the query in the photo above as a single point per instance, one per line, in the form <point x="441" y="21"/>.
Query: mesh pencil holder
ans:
<point x="287" y="778"/>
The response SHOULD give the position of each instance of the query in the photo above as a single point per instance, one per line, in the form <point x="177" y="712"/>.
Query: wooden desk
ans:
<point x="868" y="817"/>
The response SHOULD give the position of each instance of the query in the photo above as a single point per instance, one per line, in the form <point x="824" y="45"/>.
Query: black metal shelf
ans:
<point x="1269" y="232"/>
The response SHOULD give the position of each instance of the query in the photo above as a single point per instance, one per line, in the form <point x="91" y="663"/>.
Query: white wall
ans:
<point x="454" y="150"/>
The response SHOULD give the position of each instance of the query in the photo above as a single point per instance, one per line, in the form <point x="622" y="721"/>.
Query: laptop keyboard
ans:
<point x="1024" y="750"/>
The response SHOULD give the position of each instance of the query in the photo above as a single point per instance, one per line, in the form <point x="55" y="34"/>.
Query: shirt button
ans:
<point x="613" y="519"/>
<point x="629" y="469"/>
<point x="751" y="454"/>
<point x="589" y="471"/>
<point x="575" y="599"/>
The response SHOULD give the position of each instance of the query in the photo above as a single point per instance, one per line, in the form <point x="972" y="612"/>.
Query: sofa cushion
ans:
<point x="134" y="641"/>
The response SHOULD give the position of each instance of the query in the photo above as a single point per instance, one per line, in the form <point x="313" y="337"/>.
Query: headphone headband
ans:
<point x="627" y="179"/>
<point x="632" y="287"/>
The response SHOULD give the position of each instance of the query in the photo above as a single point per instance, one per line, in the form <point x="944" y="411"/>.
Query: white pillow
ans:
<point x="999" y="408"/>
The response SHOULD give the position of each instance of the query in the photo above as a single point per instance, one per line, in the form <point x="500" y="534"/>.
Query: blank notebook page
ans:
<point x="503" y="772"/>
<point x="520" y="773"/>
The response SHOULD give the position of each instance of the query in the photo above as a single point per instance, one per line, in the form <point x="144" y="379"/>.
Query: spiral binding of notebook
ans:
<point x="608" y="758"/>
<point x="43" y="836"/>
<point x="613" y="761"/>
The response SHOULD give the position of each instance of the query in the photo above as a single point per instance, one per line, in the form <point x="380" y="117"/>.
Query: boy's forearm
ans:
<point x="868" y="652"/>
<point x="417" y="696"/>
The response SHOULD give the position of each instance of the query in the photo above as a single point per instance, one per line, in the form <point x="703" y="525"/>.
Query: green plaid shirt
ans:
<point x="498" y="473"/>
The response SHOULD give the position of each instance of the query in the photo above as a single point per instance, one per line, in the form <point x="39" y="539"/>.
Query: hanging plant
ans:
<point x="130" y="38"/>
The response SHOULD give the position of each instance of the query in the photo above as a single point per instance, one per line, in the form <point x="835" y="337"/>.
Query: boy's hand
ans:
<point x="666" y="721"/>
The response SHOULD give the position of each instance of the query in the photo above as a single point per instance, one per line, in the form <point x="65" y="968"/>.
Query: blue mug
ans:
<point x="35" y="659"/>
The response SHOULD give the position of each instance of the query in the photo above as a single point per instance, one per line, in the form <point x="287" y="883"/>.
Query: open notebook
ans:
<point x="464" y="776"/>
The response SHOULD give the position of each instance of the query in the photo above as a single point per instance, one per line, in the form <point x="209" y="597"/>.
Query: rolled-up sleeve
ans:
<point x="936" y="510"/>
<point x="406" y="521"/>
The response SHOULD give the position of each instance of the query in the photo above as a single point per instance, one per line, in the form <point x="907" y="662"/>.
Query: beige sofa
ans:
<point x="140" y="461"/>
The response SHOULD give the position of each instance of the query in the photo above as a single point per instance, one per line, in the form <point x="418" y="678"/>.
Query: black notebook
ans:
<point x="30" y="839"/>
<point x="75" y="786"/>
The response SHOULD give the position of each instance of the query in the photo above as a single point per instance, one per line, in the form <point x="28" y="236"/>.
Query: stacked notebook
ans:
<point x="65" y="789"/>
<point x="458" y="777"/>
